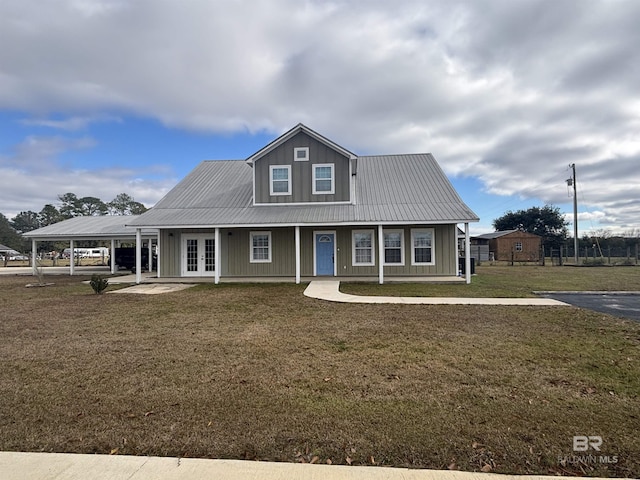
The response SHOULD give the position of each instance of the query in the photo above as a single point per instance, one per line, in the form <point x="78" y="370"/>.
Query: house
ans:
<point x="305" y="206"/>
<point x="511" y="245"/>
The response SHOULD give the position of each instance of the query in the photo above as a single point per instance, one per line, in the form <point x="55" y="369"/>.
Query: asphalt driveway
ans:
<point x="620" y="304"/>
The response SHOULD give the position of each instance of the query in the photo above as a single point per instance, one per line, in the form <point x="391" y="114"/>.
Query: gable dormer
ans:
<point x="302" y="167"/>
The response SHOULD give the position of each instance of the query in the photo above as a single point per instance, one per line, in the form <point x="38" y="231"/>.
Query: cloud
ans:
<point x="33" y="176"/>
<point x="70" y="124"/>
<point x="509" y="92"/>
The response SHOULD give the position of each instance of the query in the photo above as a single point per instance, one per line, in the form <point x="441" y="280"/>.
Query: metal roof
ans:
<point x="492" y="235"/>
<point x="5" y="249"/>
<point x="100" y="227"/>
<point x="389" y="189"/>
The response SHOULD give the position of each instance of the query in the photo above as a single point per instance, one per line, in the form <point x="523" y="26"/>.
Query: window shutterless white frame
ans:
<point x="321" y="178"/>
<point x="355" y="248"/>
<point x="256" y="245"/>
<point x="301" y="154"/>
<point x="425" y="237"/>
<point x="518" y="246"/>
<point x="400" y="247"/>
<point x="275" y="174"/>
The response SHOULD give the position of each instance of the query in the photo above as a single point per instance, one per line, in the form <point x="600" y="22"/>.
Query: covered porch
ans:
<point x="108" y="229"/>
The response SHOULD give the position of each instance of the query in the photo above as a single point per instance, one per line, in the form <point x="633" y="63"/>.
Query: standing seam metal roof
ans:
<point x="389" y="189"/>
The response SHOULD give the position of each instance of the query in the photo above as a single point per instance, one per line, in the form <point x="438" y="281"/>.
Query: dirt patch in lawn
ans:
<point x="262" y="372"/>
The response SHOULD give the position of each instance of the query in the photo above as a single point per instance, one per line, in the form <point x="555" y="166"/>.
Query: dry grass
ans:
<point x="262" y="372"/>
<point x="517" y="281"/>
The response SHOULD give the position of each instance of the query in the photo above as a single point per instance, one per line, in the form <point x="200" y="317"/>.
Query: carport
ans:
<point x="105" y="228"/>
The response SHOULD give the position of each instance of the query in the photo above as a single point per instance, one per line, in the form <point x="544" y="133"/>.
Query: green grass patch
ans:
<point x="507" y="281"/>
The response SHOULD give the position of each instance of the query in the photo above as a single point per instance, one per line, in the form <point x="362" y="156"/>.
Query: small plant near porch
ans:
<point x="98" y="283"/>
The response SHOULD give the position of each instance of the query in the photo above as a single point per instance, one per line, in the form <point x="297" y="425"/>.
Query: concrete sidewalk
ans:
<point x="330" y="290"/>
<point x="66" y="466"/>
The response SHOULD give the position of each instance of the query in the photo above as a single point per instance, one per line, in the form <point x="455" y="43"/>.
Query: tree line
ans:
<point x="549" y="223"/>
<point x="70" y="205"/>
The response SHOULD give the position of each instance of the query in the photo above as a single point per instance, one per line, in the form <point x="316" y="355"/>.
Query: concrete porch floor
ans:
<point x="150" y="277"/>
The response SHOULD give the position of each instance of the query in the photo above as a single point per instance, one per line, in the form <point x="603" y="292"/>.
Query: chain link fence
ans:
<point x="595" y="255"/>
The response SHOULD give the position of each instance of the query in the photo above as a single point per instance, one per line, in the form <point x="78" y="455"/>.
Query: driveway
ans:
<point x="620" y="304"/>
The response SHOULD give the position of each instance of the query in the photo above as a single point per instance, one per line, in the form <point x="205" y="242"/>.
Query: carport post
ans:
<point x="467" y="254"/>
<point x="297" y="234"/>
<point x="112" y="256"/>
<point x="138" y="255"/>
<point x="72" y="258"/>
<point x="150" y="267"/>
<point x="33" y="256"/>
<point x="380" y="255"/>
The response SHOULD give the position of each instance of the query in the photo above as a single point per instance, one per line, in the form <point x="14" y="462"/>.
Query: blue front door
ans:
<point x="324" y="253"/>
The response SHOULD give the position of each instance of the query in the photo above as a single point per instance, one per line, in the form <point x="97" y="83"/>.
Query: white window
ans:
<point x="323" y="179"/>
<point x="280" y="179"/>
<point x="362" y="248"/>
<point x="301" y="154"/>
<point x="518" y="246"/>
<point x="260" y="247"/>
<point x="422" y="247"/>
<point x="393" y="247"/>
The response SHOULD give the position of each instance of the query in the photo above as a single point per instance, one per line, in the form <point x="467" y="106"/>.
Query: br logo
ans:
<point x="582" y="443"/>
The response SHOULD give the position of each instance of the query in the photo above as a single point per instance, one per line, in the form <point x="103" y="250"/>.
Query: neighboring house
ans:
<point x="511" y="245"/>
<point x="479" y="250"/>
<point x="305" y="206"/>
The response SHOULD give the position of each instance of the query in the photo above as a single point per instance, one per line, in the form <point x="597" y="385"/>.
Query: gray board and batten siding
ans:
<point x="302" y="172"/>
<point x="235" y="243"/>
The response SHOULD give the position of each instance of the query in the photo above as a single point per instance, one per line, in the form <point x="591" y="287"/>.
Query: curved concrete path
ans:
<point x="330" y="290"/>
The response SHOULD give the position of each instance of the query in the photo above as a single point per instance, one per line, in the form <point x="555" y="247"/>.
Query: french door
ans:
<point x="198" y="255"/>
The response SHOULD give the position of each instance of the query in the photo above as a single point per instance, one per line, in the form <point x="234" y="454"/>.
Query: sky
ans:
<point x="101" y="97"/>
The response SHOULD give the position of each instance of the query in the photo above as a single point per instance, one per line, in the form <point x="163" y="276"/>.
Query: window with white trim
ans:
<point x="362" y="248"/>
<point x="301" y="154"/>
<point x="260" y="247"/>
<point x="323" y="179"/>
<point x="393" y="247"/>
<point x="280" y="179"/>
<point x="422" y="246"/>
<point x="518" y="246"/>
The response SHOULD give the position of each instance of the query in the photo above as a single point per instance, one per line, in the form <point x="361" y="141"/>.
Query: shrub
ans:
<point x="98" y="283"/>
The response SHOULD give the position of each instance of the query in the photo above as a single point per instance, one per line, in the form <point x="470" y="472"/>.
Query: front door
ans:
<point x="325" y="253"/>
<point x="198" y="255"/>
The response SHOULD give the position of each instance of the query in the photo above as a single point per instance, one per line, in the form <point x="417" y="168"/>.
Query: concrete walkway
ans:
<point x="154" y="288"/>
<point x="330" y="290"/>
<point x="65" y="466"/>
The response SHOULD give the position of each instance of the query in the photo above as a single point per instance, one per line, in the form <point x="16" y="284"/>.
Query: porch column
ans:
<point x="297" y="254"/>
<point x="158" y="249"/>
<point x="380" y="255"/>
<point x="150" y="246"/>
<point x="72" y="257"/>
<point x="216" y="256"/>
<point x="138" y="255"/>
<point x="112" y="256"/>
<point x="33" y="257"/>
<point x="467" y="254"/>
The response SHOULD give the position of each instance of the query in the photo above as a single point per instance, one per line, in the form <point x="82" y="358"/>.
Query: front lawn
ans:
<point x="262" y="372"/>
<point x="507" y="281"/>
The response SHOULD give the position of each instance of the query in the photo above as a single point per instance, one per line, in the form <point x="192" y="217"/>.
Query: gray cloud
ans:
<point x="510" y="92"/>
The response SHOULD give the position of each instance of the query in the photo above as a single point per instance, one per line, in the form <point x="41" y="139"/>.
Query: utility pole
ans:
<point x="572" y="181"/>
